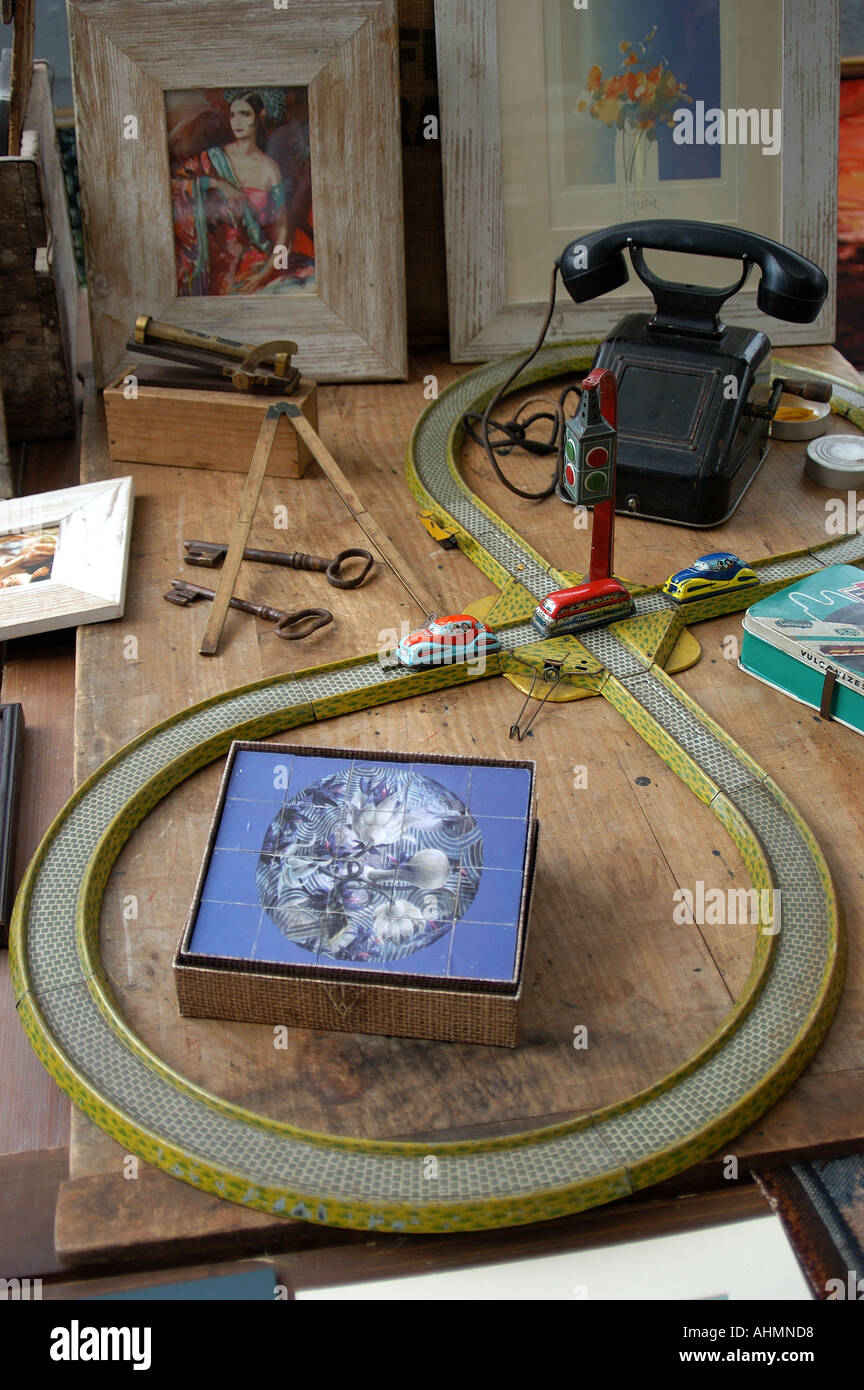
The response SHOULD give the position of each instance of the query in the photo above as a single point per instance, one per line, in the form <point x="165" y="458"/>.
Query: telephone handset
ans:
<point x="791" y="287"/>
<point x="691" y="433"/>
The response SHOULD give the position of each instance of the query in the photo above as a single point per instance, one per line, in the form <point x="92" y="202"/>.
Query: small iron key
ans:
<point x="290" y="626"/>
<point x="210" y="554"/>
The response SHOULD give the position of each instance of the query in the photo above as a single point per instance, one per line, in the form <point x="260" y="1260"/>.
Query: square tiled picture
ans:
<point x="377" y="867"/>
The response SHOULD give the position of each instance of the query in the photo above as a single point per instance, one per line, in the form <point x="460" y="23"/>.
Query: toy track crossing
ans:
<point x="64" y="998"/>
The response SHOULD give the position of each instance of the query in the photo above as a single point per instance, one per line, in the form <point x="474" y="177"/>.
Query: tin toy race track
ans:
<point x="765" y="1041"/>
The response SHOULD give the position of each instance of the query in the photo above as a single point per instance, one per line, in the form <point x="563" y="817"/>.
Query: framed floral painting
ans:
<point x="229" y="180"/>
<point x="560" y="118"/>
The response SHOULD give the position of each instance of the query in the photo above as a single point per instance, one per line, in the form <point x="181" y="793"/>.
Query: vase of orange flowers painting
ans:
<point x="643" y="94"/>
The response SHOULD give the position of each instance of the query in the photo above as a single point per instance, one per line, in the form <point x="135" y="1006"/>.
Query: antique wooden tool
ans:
<point x="242" y="526"/>
<point x="376" y="533"/>
<point x="266" y="366"/>
<point x="238" y="543"/>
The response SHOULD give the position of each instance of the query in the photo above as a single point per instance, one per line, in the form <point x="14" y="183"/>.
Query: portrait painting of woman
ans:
<point x="241" y="191"/>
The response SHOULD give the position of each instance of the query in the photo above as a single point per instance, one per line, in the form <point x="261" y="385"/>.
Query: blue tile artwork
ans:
<point x="503" y="842"/>
<point x="260" y="776"/>
<point x="497" y="898"/>
<point x="221" y="933"/>
<point x="454" y="776"/>
<point x="397" y="868"/>
<point x="499" y="791"/>
<point x="270" y="944"/>
<point x="483" y="951"/>
<point x="307" y="772"/>
<point x="243" y="824"/>
<point x="231" y="878"/>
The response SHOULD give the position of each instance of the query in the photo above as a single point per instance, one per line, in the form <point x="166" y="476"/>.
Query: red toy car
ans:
<point x="458" y="637"/>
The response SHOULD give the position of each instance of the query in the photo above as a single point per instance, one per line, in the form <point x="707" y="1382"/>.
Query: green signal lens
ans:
<point x="598" y="481"/>
<point x="570" y="450"/>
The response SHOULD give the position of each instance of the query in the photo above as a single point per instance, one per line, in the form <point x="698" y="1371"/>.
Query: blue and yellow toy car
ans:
<point x="716" y="573"/>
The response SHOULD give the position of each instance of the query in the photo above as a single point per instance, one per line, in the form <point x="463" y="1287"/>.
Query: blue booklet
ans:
<point x="796" y="639"/>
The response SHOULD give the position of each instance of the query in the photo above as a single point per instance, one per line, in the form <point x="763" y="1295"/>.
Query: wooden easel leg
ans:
<point x="392" y="558"/>
<point x="242" y="527"/>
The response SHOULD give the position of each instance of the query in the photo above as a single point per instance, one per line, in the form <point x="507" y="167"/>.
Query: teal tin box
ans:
<point x="808" y="641"/>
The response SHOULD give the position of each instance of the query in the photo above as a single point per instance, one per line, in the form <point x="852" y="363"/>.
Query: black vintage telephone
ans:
<point x="691" y="434"/>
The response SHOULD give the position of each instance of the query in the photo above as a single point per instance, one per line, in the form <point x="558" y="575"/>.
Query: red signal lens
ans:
<point x="597" y="457"/>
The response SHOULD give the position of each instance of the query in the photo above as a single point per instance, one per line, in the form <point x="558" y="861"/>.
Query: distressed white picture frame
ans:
<point x="127" y="54"/>
<point x="87" y="583"/>
<point x="483" y="323"/>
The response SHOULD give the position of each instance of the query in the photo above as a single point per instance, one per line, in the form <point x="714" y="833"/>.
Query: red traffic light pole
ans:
<point x="590" y="447"/>
<point x="603" y="517"/>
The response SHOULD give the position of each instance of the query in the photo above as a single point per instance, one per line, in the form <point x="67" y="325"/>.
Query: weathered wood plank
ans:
<point x="28" y="1196"/>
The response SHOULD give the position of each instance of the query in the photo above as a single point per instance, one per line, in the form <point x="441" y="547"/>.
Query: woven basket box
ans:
<point x="365" y="892"/>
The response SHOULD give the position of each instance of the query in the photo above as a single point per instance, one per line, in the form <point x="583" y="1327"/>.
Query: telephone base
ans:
<point x="688" y="446"/>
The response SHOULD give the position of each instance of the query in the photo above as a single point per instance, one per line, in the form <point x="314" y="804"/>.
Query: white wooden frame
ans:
<point x="126" y="54"/>
<point x="87" y="583"/>
<point x="483" y="324"/>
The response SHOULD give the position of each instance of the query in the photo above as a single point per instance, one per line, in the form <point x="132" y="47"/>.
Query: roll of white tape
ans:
<point x="836" y="460"/>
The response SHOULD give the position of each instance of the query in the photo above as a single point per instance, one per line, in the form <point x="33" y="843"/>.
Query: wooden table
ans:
<point x="604" y="949"/>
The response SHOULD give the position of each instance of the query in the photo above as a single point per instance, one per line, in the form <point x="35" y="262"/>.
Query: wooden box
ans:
<point x="189" y="427"/>
<point x="364" y="892"/>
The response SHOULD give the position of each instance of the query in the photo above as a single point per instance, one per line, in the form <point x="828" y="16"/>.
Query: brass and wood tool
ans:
<point x="290" y="626"/>
<point x="265" y="366"/>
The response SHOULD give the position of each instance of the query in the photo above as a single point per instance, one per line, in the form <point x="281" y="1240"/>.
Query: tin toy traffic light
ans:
<point x="589" y="450"/>
<point x="589" y="477"/>
<point x="590" y="447"/>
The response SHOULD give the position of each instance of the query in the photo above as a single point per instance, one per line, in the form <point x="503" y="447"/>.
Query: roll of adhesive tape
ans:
<point x="836" y="460"/>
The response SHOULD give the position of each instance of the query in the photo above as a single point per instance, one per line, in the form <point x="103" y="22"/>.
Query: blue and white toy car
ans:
<point x="443" y="641"/>
<point x="709" y="575"/>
